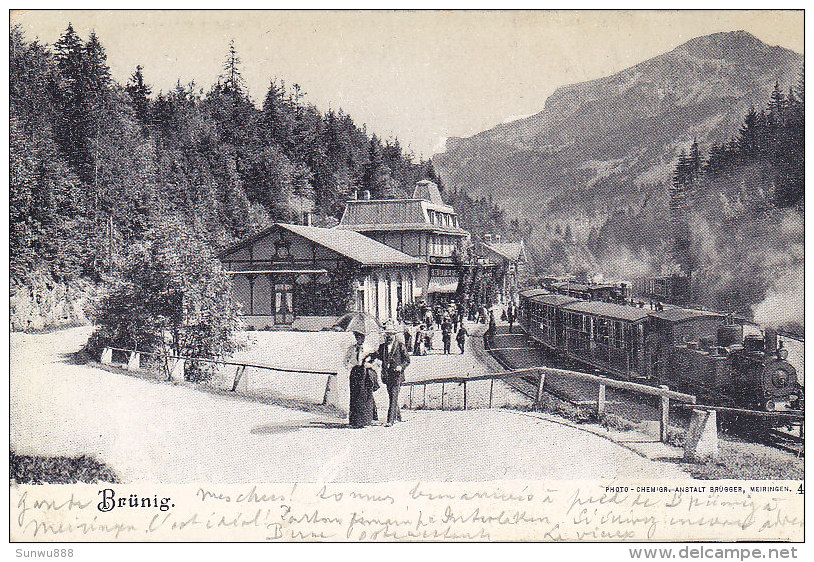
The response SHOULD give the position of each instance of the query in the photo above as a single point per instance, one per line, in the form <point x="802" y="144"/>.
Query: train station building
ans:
<point x="511" y="262"/>
<point x="290" y="271"/>
<point x="384" y="254"/>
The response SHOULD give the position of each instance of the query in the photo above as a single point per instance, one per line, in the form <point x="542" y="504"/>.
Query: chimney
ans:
<point x="770" y="340"/>
<point x="497" y="238"/>
<point x="366" y="195"/>
<point x="487" y="238"/>
<point x="354" y="195"/>
<point x="308" y="218"/>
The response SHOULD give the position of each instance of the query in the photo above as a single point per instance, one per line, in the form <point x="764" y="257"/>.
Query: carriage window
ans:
<point x="618" y="340"/>
<point x="577" y="322"/>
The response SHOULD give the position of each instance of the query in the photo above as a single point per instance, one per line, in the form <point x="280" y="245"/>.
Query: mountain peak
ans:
<point x="595" y="142"/>
<point x="732" y="46"/>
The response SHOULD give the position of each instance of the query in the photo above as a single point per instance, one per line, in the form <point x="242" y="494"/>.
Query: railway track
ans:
<point x="515" y="351"/>
<point x="787" y="442"/>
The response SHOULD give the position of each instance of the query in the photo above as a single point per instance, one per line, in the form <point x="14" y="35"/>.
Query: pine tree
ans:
<point x="232" y="78"/>
<point x="373" y="179"/>
<point x="274" y="114"/>
<point x="70" y="96"/>
<point x="777" y="106"/>
<point x="139" y="93"/>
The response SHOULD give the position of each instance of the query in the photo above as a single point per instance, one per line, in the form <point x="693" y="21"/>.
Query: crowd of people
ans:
<point x="420" y="324"/>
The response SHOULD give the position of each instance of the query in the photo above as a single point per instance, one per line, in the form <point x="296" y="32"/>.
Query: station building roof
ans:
<point x="348" y="243"/>
<point x="424" y="211"/>
<point x="511" y="251"/>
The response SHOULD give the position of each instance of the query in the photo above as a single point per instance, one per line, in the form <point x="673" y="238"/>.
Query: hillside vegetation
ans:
<point x="97" y="167"/>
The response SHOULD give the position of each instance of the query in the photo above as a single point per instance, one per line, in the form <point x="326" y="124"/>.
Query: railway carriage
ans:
<point x="607" y="336"/>
<point x="543" y="319"/>
<point x="691" y="350"/>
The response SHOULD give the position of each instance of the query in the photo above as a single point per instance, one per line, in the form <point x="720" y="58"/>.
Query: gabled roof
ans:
<point x="678" y="314"/>
<point x="509" y="250"/>
<point x="348" y="243"/>
<point x="609" y="310"/>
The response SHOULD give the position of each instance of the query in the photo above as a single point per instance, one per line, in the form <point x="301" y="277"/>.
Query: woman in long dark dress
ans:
<point x="363" y="382"/>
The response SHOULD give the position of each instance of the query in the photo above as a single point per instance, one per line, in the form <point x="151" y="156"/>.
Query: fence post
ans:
<point x="177" y="369"/>
<point x="134" y="362"/>
<point x="411" y="397"/>
<point x="464" y="395"/>
<point x="442" y="395"/>
<point x="540" y="385"/>
<point x="425" y="396"/>
<point x="600" y="400"/>
<point x="664" y="423"/>
<point x="239" y="373"/>
<point x="491" y="390"/>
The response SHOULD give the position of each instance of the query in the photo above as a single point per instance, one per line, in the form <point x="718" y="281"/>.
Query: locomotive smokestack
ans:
<point x="770" y="338"/>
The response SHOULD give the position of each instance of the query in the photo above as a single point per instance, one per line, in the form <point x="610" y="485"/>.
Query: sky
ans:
<point x="420" y="76"/>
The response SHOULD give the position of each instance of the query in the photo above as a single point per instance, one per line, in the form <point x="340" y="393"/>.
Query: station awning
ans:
<point x="442" y="285"/>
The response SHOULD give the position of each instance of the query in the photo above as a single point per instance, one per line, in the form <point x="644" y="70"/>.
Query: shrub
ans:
<point x="171" y="295"/>
<point x="25" y="469"/>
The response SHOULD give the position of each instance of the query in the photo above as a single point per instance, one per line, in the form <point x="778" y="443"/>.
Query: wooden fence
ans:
<point x="663" y="392"/>
<point x="173" y="365"/>
<point x="793" y="417"/>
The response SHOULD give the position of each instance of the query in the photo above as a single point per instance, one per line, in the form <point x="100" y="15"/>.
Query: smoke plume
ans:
<point x="784" y="302"/>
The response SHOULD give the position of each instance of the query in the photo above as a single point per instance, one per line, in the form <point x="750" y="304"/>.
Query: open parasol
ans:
<point x="358" y="322"/>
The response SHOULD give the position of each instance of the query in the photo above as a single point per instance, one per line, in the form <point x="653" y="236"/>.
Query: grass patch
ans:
<point x="676" y="437"/>
<point x="558" y="408"/>
<point x="735" y="463"/>
<point x="24" y="469"/>
<point x="614" y="422"/>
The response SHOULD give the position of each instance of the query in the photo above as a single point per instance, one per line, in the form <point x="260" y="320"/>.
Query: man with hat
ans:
<point x="394" y="358"/>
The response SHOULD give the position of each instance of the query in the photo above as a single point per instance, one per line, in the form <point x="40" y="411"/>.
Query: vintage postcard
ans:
<point x="447" y="276"/>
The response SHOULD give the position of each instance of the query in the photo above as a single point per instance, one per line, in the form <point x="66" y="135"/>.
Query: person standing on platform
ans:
<point x="461" y="337"/>
<point x="418" y="343"/>
<point x="446" y="333"/>
<point x="408" y="339"/>
<point x="428" y="318"/>
<point x="489" y="334"/>
<point x="511" y="315"/>
<point x="363" y="383"/>
<point x="394" y="360"/>
<point x="454" y="317"/>
<point x="428" y="335"/>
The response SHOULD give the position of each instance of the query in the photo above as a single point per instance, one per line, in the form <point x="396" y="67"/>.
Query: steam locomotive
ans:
<point x="693" y="351"/>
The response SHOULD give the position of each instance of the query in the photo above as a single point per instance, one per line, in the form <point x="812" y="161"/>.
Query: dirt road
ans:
<point x="157" y="431"/>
